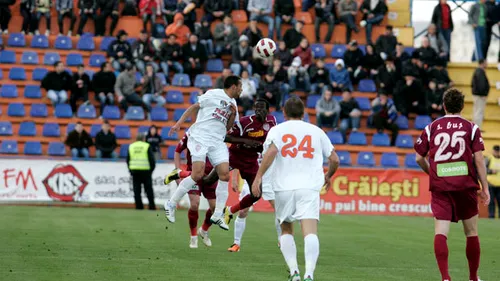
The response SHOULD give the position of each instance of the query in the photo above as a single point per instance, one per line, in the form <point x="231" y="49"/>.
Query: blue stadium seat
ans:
<point x="178" y="113"/>
<point x="312" y="100"/>
<point x="338" y="51"/>
<point x="249" y="112"/>
<point x="421" y="121"/>
<point x="111" y="112"/>
<point x="74" y="59"/>
<point x="63" y="43"/>
<point x="181" y="80"/>
<point x="50" y="58"/>
<point x="159" y="114"/>
<point x="9" y="147"/>
<point x="29" y="58"/>
<point x="7" y="57"/>
<point x="411" y="162"/>
<point x="131" y="40"/>
<point x="280" y="117"/>
<point x="86" y="111"/>
<point x="134" y="113"/>
<point x="164" y="134"/>
<point x="17" y="73"/>
<point x="138" y="77"/>
<point x="69" y="71"/>
<point x="306" y="118"/>
<point x="381" y="139"/>
<point x="193" y="97"/>
<point x="85" y="43"/>
<point x="367" y="86"/>
<point x="94" y="129"/>
<point x="357" y="138"/>
<point x="203" y="81"/>
<point x="124" y="150"/>
<point x="90" y="73"/>
<point x="70" y="127"/>
<point x="345" y="158"/>
<point x="1" y="74"/>
<point x="40" y="41"/>
<point x="389" y="160"/>
<point x="171" y="152"/>
<point x="96" y="60"/>
<point x="5" y="129"/>
<point x="366" y="159"/>
<point x="404" y="141"/>
<point x="32" y="148"/>
<point x="143" y="129"/>
<point x="51" y="130"/>
<point x="16" y="40"/>
<point x="364" y="103"/>
<point x="63" y="110"/>
<point x="27" y="128"/>
<point x="8" y="91"/>
<point x="39" y="110"/>
<point x="402" y="122"/>
<point x="56" y="149"/>
<point x="215" y="65"/>
<point x="16" y="110"/>
<point x="175" y="97"/>
<point x="105" y="42"/>
<point x="409" y="50"/>
<point x="335" y="137"/>
<point x="122" y="132"/>
<point x="362" y="48"/>
<point x="162" y="79"/>
<point x="39" y="73"/>
<point x="318" y="51"/>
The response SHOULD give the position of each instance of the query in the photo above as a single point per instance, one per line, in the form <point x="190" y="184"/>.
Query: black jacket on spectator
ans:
<point x="167" y="52"/>
<point x="75" y="140"/>
<point x="204" y="33"/>
<point x="292" y="38"/>
<point x="272" y="87"/>
<point x="237" y="56"/>
<point x="281" y="75"/>
<point x="437" y="19"/>
<point x="380" y="9"/>
<point x="285" y="57"/>
<point x="106" y="143"/>
<point x="57" y="81"/>
<point x="353" y="59"/>
<point x="319" y="78"/>
<point x="480" y="83"/>
<point x="118" y="46"/>
<point x="398" y="61"/>
<point x="103" y="82"/>
<point x="284" y="7"/>
<point x="405" y="95"/>
<point x="87" y="4"/>
<point x="199" y="53"/>
<point x="253" y="38"/>
<point x="439" y="75"/>
<point x="218" y="5"/>
<point x="154" y="141"/>
<point x="347" y="106"/>
<point x="327" y="12"/>
<point x="388" y="78"/>
<point x="371" y="61"/>
<point x="86" y="83"/>
<point x="386" y="44"/>
<point x="140" y="49"/>
<point x="434" y="97"/>
<point x="427" y="55"/>
<point x="108" y="5"/>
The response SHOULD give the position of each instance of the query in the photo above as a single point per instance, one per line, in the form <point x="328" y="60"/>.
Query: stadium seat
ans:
<point x="171" y="152"/>
<point x="8" y="91"/>
<point x="280" y="117"/>
<point x="215" y="65"/>
<point x="50" y="58"/>
<point x="96" y="60"/>
<point x="122" y="132"/>
<point x="404" y="141"/>
<point x="389" y="160"/>
<point x="159" y="31"/>
<point x="111" y="112"/>
<point x="364" y="103"/>
<point x="74" y="59"/>
<point x="63" y="110"/>
<point x="63" y="43"/>
<point x="381" y="139"/>
<point x="411" y="162"/>
<point x="143" y="129"/>
<point x="138" y="77"/>
<point x="86" y="111"/>
<point x="40" y="41"/>
<point x="203" y="81"/>
<point x="409" y="50"/>
<point x="357" y="138"/>
<point x="131" y="40"/>
<point x="9" y="147"/>
<point x="345" y="158"/>
<point x="402" y="122"/>
<point x="338" y="51"/>
<point x="123" y="150"/>
<point x="90" y="73"/>
<point x="421" y="121"/>
<point x="69" y="71"/>
<point x="85" y="43"/>
<point x="175" y="97"/>
<point x="306" y="118"/>
<point x="366" y="159"/>
<point x="51" y="130"/>
<point x="162" y="79"/>
<point x="39" y="110"/>
<point x="5" y="129"/>
<point x="29" y="58"/>
<point x="32" y="148"/>
<point x="27" y="129"/>
<point x="164" y="134"/>
<point x="105" y="42"/>
<point x="94" y="129"/>
<point x="367" y="86"/>
<point x="318" y="51"/>
<point x="70" y="127"/>
<point x="16" y="110"/>
<point x="178" y="113"/>
<point x="362" y="48"/>
<point x="17" y="73"/>
<point x="193" y="97"/>
<point x="56" y="149"/>
<point x="335" y="137"/>
<point x="134" y="113"/>
<point x="7" y="57"/>
<point x="159" y="114"/>
<point x="39" y="73"/>
<point x="181" y="80"/>
<point x="312" y="100"/>
<point x="16" y="40"/>
<point x="1" y="74"/>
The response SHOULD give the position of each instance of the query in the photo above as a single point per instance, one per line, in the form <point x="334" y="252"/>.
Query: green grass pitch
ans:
<point x="49" y="243"/>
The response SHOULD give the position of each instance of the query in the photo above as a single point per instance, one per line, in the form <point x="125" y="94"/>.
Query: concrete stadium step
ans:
<point x="461" y="73"/>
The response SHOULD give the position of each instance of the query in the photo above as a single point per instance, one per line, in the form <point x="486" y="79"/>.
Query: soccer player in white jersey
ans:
<point x="216" y="111"/>
<point x="298" y="150"/>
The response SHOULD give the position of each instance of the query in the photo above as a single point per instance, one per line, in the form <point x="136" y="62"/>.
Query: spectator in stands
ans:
<point x="57" y="83"/>
<point x="350" y="114"/>
<point x="152" y="89"/>
<point x="269" y="90"/>
<point x="324" y="13"/>
<point x="188" y="10"/>
<point x="154" y="139"/>
<point x="388" y="75"/>
<point x="304" y="52"/>
<point x="120" y="51"/>
<point x="194" y="56"/>
<point x="437" y="42"/>
<point x="427" y="54"/>
<point x="79" y="142"/>
<point x="144" y="52"/>
<point x="327" y="111"/>
<point x="253" y="33"/>
<point x="492" y="18"/>
<point x="353" y="58"/>
<point x="65" y="10"/>
<point x="206" y="38"/>
<point x="80" y="87"/>
<point x="386" y="43"/>
<point x="443" y="20"/>
<point x="280" y="75"/>
<point x="400" y="56"/>
<point x="477" y="18"/>
<point x="369" y="64"/>
<point x="410" y="95"/>
<point x="248" y="91"/>
<point x="284" y="10"/>
<point x="260" y="10"/>
<point x="260" y="65"/>
<point x="242" y="56"/>
<point x="339" y="77"/>
<point x="226" y="36"/>
<point x="298" y="76"/>
<point x="307" y="4"/>
<point x="320" y="77"/>
<point x="87" y="10"/>
<point x="105" y="142"/>
<point x="170" y="56"/>
<point x="493" y="177"/>
<point x="219" y="82"/>
<point x="42" y="9"/>
<point x="216" y="9"/>
<point x="283" y="55"/>
<point x="293" y="36"/>
<point x="27" y="8"/>
<point x="414" y="65"/>
<point x="440" y="75"/>
<point x="435" y="98"/>
<point x="149" y="9"/>
<point x="374" y="12"/>
<point x="103" y="84"/>
<point x="125" y="88"/>
<point x="178" y="28"/>
<point x="480" y="91"/>
<point x="168" y="10"/>
<point x="347" y="11"/>
<point x="385" y="115"/>
<point x="107" y="8"/>
<point x="130" y="8"/>
<point x="5" y="15"/>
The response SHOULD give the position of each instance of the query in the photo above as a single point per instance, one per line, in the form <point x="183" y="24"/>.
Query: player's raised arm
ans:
<point x="267" y="160"/>
<point x="192" y="110"/>
<point x="481" y="172"/>
<point x="232" y="117"/>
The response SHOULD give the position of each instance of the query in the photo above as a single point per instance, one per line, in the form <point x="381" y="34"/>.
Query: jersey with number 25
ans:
<point x="302" y="149"/>
<point x="450" y="143"/>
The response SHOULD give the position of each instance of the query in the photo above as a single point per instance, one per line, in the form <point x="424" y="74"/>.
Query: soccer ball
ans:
<point x="266" y="47"/>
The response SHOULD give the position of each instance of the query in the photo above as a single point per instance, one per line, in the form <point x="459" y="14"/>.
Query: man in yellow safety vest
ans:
<point x="493" y="166"/>
<point x="141" y="164"/>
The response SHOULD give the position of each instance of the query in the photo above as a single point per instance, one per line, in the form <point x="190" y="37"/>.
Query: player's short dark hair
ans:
<point x="263" y="101"/>
<point x="231" y="80"/>
<point x="453" y="100"/>
<point x="388" y="27"/>
<point x="294" y="108"/>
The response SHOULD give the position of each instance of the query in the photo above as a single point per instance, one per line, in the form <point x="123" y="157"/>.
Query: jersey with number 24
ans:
<point x="450" y="142"/>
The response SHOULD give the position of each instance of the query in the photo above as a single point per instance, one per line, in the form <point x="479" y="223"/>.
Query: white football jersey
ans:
<point x="211" y="121"/>
<point x="302" y="149"/>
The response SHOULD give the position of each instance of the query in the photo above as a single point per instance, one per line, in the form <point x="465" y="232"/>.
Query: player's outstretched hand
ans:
<point x="485" y="197"/>
<point x="256" y="187"/>
<point x="327" y="182"/>
<point x="175" y="128"/>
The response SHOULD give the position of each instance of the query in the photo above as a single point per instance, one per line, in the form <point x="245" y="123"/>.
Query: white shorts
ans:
<point x="299" y="204"/>
<point x="216" y="152"/>
<point x="267" y="191"/>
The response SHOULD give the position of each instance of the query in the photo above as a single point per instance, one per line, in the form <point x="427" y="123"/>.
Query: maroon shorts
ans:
<point x="454" y="205"/>
<point x="207" y="191"/>
<point x="247" y="174"/>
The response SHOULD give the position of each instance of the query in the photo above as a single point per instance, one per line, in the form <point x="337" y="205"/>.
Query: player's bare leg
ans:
<point x="194" y="200"/>
<point x="441" y="229"/>
<point x="472" y="249"/>
<point x="221" y="193"/>
<point x="276" y="223"/>
<point x="289" y="250"/>
<point x="203" y="230"/>
<point x="239" y="229"/>
<point x="311" y="246"/>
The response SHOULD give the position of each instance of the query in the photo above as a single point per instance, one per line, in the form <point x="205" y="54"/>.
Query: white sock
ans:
<point x="278" y="227"/>
<point x="184" y="187"/>
<point x="239" y="228"/>
<point x="221" y="195"/>
<point x="289" y="251"/>
<point x="311" y="253"/>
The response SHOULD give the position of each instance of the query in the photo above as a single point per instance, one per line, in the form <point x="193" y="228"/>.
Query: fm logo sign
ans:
<point x="65" y="183"/>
